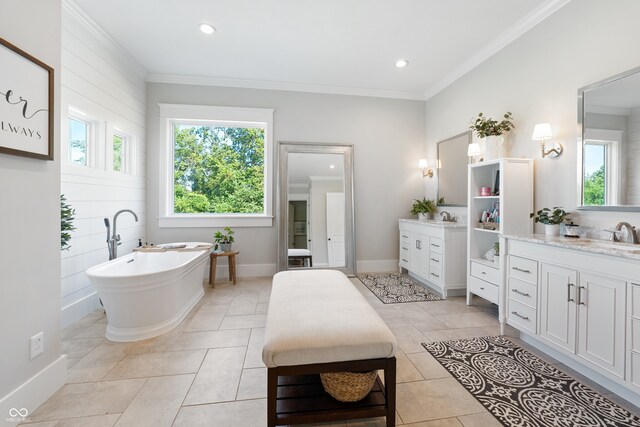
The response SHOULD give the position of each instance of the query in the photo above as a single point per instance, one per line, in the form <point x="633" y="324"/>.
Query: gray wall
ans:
<point x="537" y="78"/>
<point x="388" y="136"/>
<point x="30" y="218"/>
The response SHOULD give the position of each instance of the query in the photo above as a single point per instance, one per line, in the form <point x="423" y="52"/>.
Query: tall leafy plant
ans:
<point x="66" y="223"/>
<point x="486" y="126"/>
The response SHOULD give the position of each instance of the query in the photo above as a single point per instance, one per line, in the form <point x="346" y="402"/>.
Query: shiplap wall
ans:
<point x="102" y="81"/>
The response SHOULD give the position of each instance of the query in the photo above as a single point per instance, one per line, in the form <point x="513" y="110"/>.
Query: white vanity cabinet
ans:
<point x="430" y="251"/>
<point x="578" y="303"/>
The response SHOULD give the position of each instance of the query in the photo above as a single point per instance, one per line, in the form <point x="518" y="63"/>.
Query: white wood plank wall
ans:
<point x="102" y="81"/>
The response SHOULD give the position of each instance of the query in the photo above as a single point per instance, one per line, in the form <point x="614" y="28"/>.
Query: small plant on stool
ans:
<point x="224" y="240"/>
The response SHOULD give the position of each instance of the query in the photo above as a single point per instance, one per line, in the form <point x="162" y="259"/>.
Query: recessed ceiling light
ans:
<point x="332" y="166"/>
<point x="401" y="63"/>
<point x="207" y="28"/>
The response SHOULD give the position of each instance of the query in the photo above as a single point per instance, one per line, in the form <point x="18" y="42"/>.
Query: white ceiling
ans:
<point x="334" y="46"/>
<point x="302" y="166"/>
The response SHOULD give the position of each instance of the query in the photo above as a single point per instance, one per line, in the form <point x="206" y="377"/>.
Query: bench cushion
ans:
<point x="320" y="317"/>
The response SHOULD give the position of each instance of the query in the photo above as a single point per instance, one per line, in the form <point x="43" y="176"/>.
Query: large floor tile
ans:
<point x="211" y="339"/>
<point x="158" y="402"/>
<point x="254" y="351"/>
<point x="82" y="400"/>
<point x="428" y="366"/>
<point x="253" y="384"/>
<point x="434" y="399"/>
<point x="244" y="321"/>
<point x="243" y="413"/>
<point x="98" y="362"/>
<point x="484" y="419"/>
<point x="445" y="422"/>
<point x="108" y="420"/>
<point x="467" y="320"/>
<point x="207" y="318"/>
<point x="157" y="364"/>
<point x="243" y="304"/>
<point x="219" y="376"/>
<point x="405" y="370"/>
<point x="80" y="347"/>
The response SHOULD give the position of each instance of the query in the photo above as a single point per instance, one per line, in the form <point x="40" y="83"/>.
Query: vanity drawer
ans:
<point x="435" y="259"/>
<point x="485" y="272"/>
<point x="634" y="375"/>
<point x="404" y="257"/>
<point x="435" y="244"/>
<point x="635" y="334"/>
<point x="523" y="269"/>
<point x="435" y="275"/>
<point x="523" y="292"/>
<point x="522" y="315"/>
<point x="484" y="289"/>
<point x="635" y="300"/>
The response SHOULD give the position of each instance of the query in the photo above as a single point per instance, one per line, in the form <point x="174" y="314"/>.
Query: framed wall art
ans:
<point x="26" y="104"/>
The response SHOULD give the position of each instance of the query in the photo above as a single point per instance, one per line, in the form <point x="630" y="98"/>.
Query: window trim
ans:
<point x="612" y="141"/>
<point x="92" y="125"/>
<point x="171" y="113"/>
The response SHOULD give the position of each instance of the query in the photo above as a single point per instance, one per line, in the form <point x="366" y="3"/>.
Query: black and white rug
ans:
<point x="392" y="288"/>
<point x="520" y="389"/>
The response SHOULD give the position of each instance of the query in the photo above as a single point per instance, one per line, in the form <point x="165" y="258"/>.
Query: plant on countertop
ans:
<point x="424" y="206"/>
<point x="496" y="248"/>
<point x="226" y="237"/>
<point x="486" y="126"/>
<point x="66" y="223"/>
<point x="550" y="217"/>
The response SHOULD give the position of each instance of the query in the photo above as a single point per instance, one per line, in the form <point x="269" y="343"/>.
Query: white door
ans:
<point x="601" y="322"/>
<point x="558" y="306"/>
<point x="336" y="229"/>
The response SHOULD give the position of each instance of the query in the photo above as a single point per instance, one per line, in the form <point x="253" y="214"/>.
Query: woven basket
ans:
<point x="348" y="386"/>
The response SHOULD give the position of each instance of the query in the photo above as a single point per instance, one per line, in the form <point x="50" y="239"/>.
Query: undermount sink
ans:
<point x="611" y="245"/>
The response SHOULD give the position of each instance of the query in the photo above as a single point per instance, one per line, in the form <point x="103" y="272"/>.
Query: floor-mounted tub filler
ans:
<point x="148" y="293"/>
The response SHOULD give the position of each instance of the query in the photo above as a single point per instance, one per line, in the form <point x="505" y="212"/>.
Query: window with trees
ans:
<point x="218" y="166"/>
<point x="79" y="141"/>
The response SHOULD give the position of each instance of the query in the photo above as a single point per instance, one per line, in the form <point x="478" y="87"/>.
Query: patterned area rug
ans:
<point x="393" y="288"/>
<point x="519" y="389"/>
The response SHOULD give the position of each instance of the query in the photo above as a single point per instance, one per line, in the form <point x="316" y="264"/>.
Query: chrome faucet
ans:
<point x="113" y="241"/>
<point x="446" y="216"/>
<point x="631" y="232"/>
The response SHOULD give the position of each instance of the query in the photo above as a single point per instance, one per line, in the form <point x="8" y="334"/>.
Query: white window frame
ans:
<point x="172" y="113"/>
<point x="611" y="140"/>
<point x="92" y="131"/>
<point x="126" y="151"/>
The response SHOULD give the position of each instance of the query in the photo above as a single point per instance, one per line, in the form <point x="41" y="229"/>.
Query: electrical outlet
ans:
<point x="37" y="345"/>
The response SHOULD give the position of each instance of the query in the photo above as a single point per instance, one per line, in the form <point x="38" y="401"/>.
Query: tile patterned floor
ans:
<point x="209" y="371"/>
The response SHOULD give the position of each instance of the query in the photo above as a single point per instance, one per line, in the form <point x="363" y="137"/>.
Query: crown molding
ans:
<point x="285" y="86"/>
<point x="538" y="15"/>
<point x="80" y="16"/>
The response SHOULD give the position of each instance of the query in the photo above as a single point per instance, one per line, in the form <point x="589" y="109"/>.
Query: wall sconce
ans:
<point x="473" y="150"/>
<point x="542" y="132"/>
<point x="426" y="171"/>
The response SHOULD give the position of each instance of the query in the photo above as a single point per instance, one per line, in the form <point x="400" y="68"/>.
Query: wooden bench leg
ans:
<point x="272" y="396"/>
<point x="212" y="270"/>
<point x="232" y="268"/>
<point x="390" y="391"/>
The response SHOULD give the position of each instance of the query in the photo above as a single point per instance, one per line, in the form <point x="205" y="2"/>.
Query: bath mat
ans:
<point x="520" y="389"/>
<point x="393" y="288"/>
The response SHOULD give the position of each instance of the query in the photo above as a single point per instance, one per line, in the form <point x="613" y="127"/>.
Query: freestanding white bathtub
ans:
<point x="146" y="294"/>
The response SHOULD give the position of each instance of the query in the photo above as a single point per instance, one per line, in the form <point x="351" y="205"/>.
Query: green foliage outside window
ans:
<point x="117" y="153"/>
<point x="218" y="169"/>
<point x="594" y="187"/>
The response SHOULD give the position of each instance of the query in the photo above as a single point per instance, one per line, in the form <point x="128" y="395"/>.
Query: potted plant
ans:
<point x="66" y="223"/>
<point x="425" y="208"/>
<point x="491" y="131"/>
<point x="496" y="253"/>
<point x="223" y="239"/>
<point x="551" y="218"/>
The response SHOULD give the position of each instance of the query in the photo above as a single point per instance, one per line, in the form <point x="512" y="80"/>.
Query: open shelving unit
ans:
<point x="515" y="201"/>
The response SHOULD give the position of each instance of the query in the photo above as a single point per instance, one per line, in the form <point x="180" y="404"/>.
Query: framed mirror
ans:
<point x="452" y="169"/>
<point x="609" y="143"/>
<point x="315" y="207"/>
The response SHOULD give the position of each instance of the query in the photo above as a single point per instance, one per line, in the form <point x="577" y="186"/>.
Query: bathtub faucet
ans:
<point x="113" y="241"/>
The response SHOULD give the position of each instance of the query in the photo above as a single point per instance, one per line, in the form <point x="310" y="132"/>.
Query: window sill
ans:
<point x="202" y="221"/>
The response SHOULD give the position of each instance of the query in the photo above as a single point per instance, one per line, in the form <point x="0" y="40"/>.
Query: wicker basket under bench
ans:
<point x="319" y="322"/>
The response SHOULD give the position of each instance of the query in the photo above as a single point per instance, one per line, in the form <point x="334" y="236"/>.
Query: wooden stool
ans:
<point x="214" y="263"/>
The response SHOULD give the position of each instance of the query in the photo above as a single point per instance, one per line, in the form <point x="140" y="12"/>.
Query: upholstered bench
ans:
<point x="319" y="322"/>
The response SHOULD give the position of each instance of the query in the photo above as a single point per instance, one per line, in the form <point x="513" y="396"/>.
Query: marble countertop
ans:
<point x="437" y="223"/>
<point x="618" y="249"/>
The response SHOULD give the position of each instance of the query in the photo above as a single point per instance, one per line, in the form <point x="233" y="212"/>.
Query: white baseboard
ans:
<point x="33" y="393"/>
<point x="377" y="266"/>
<point x="79" y="309"/>
<point x="245" y="270"/>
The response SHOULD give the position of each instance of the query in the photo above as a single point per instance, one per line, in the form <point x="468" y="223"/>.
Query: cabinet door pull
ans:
<point x="404" y="260"/>
<point x="580" y="288"/>
<point x="435" y="275"/>
<point x="435" y="246"/>
<point x="406" y="237"/>
<point x="406" y="249"/>
<point x="515" y="313"/>
<point x="522" y="270"/>
<point x="417" y="244"/>
<point x="435" y="260"/>
<point x="481" y="288"/>
<point x="483" y="272"/>
<point x="520" y="293"/>
<point x="569" y="285"/>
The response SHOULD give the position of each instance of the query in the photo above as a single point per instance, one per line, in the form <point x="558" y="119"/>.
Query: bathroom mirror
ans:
<point x="315" y="207"/>
<point x="452" y="169"/>
<point x="609" y="143"/>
